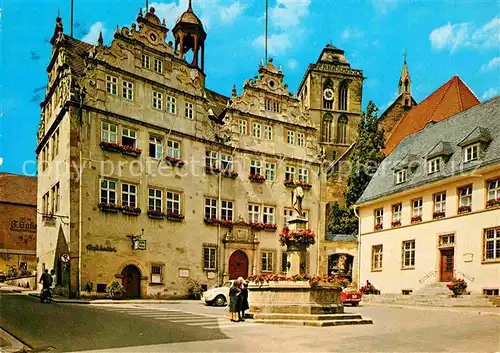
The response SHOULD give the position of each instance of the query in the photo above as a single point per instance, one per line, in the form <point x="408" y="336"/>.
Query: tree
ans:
<point x="341" y="220"/>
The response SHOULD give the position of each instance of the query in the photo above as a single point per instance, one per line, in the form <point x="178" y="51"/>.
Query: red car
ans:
<point x="351" y="296"/>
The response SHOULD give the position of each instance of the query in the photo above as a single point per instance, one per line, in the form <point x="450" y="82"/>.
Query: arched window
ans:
<point x="342" y="129"/>
<point x="406" y="85"/>
<point x="328" y="94"/>
<point x="326" y="129"/>
<point x="343" y="91"/>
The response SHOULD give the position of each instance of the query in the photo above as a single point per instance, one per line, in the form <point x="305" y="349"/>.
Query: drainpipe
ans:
<point x="321" y="184"/>
<point x="218" y="213"/>
<point x="355" y="209"/>
<point x="81" y="98"/>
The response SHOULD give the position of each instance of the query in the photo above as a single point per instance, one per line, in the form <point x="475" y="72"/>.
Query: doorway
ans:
<point x="238" y="265"/>
<point x="447" y="264"/>
<point x="131" y="281"/>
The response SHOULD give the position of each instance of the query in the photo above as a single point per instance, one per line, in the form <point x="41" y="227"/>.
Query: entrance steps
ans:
<point x="435" y="294"/>
<point x="320" y="320"/>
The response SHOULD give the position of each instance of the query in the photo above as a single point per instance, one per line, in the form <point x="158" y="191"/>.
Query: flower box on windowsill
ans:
<point x="289" y="183"/>
<point x="378" y="226"/>
<point x="131" y="211"/>
<point x="464" y="209"/>
<point x="110" y="146"/>
<point x="174" y="161"/>
<point x="257" y="178"/>
<point x="229" y="174"/>
<point x="211" y="170"/>
<point x="416" y="219"/>
<point x="493" y="203"/>
<point x="304" y="185"/>
<point x="131" y="151"/>
<point x="269" y="227"/>
<point x="211" y="221"/>
<point x="109" y="207"/>
<point x="155" y="214"/>
<point x="224" y="223"/>
<point x="396" y="224"/>
<point x="175" y="217"/>
<point x="438" y="215"/>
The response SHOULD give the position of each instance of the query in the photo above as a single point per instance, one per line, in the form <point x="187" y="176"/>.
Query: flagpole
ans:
<point x="71" y="28"/>
<point x="266" y="26"/>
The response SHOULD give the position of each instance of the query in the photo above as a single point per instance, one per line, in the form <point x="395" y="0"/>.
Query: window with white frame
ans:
<point x="267" y="261"/>
<point x="210" y="208"/>
<point x="289" y="173"/>
<point x="401" y="176"/>
<point x="109" y="132"/>
<point x="465" y="196"/>
<point x="155" y="147"/>
<point x="396" y="212"/>
<point x="129" y="137"/>
<point x="276" y="107"/>
<point x="377" y="251"/>
<point x="491" y="250"/>
<point x="171" y="105"/>
<point x="146" y="61"/>
<point x="253" y="213"/>
<point x="156" y="274"/>
<point x="209" y="258"/>
<point x="226" y="210"/>
<point x="268" y="215"/>
<point x="129" y="195"/>
<point x="267" y="104"/>
<point x="300" y="139"/>
<point x="471" y="153"/>
<point x="434" y="165"/>
<point x="108" y="191"/>
<point x="158" y="65"/>
<point x="408" y="254"/>
<point x="155" y="200"/>
<point x="112" y="85"/>
<point x="173" y="202"/>
<point x="211" y="158"/>
<point x="290" y="137"/>
<point x="55" y="199"/>
<point x="494" y="189"/>
<point x="446" y="240"/>
<point x="304" y="175"/>
<point x="188" y="110"/>
<point x="157" y="100"/>
<point x="440" y="202"/>
<point x="417" y="207"/>
<point x="257" y="130"/>
<point x="287" y="214"/>
<point x="379" y="217"/>
<point x="173" y="149"/>
<point x="270" y="172"/>
<point x="128" y="90"/>
<point x="243" y="127"/>
<point x="268" y="132"/>
<point x="255" y="167"/>
<point x="226" y="161"/>
<point x="45" y="203"/>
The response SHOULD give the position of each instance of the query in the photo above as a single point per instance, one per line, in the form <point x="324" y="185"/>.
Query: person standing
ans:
<point x="54" y="280"/>
<point x="235" y="300"/>
<point x="46" y="279"/>
<point x="244" y="300"/>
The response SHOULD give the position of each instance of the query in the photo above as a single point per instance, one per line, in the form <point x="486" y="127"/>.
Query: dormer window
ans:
<point x="434" y="165"/>
<point x="471" y="153"/>
<point x="401" y="176"/>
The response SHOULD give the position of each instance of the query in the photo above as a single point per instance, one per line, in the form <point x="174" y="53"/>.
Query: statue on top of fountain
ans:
<point x="297" y="197"/>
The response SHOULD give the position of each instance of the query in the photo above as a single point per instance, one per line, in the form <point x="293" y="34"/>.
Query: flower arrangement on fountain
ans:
<point x="313" y="280"/>
<point x="457" y="286"/>
<point x="297" y="237"/>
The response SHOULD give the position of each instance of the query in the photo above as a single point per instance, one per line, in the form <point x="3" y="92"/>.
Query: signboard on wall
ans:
<point x="139" y="244"/>
<point x="183" y="272"/>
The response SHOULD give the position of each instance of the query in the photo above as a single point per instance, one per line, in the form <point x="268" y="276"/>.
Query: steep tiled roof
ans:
<point x="341" y="237"/>
<point x="452" y="130"/>
<point x="449" y="99"/>
<point x="16" y="188"/>
<point x="216" y="101"/>
<point x="76" y="53"/>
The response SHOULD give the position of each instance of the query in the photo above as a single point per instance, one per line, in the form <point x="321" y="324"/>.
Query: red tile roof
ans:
<point x="449" y="99"/>
<point x="19" y="189"/>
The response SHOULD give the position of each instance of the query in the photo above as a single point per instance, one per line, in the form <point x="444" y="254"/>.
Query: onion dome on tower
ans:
<point x="190" y="35"/>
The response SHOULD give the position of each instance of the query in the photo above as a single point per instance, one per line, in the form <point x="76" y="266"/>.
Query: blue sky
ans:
<point x="443" y="38"/>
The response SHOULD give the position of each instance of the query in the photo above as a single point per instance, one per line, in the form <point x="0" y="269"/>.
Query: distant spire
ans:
<point x="140" y="12"/>
<point x="190" y="7"/>
<point x="405" y="80"/>
<point x="100" y="40"/>
<point x="233" y="92"/>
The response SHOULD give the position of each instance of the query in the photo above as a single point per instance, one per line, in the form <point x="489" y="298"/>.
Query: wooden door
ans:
<point x="238" y="265"/>
<point x="131" y="281"/>
<point x="447" y="264"/>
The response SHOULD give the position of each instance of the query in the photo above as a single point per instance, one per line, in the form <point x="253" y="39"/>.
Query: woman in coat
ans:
<point x="235" y="300"/>
<point x="244" y="299"/>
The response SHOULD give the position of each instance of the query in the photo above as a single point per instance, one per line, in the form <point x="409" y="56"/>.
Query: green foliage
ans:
<point x="341" y="220"/>
<point x="194" y="288"/>
<point x="113" y="288"/>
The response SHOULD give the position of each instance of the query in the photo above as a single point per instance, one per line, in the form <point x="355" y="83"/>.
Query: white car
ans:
<point x="218" y="296"/>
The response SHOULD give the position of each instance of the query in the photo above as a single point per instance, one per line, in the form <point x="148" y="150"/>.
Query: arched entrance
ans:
<point x="131" y="281"/>
<point x="238" y="265"/>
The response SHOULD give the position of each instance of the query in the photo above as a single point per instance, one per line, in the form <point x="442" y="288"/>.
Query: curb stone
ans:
<point x="475" y="310"/>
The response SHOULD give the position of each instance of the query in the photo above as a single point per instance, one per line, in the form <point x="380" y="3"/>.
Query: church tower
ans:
<point x="404" y="86"/>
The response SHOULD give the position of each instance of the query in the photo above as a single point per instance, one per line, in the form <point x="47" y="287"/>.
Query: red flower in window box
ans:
<point x="211" y="170"/>
<point x="379" y="226"/>
<point x="438" y="214"/>
<point x="493" y="203"/>
<point x="296" y="237"/>
<point x="304" y="185"/>
<point x="224" y="223"/>
<point x="174" y="161"/>
<point x="257" y="178"/>
<point x="111" y="146"/>
<point x="229" y="174"/>
<point x="416" y="219"/>
<point x="256" y="225"/>
<point x="289" y="183"/>
<point x="109" y="207"/>
<point x="131" y="150"/>
<point x="131" y="210"/>
<point x="395" y="224"/>
<point x="156" y="214"/>
<point x="269" y="227"/>
<point x="211" y="221"/>
<point x="176" y="217"/>
<point x="464" y="209"/>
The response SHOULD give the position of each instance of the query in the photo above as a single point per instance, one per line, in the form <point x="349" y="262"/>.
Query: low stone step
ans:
<point x="318" y="323"/>
<point x="306" y="317"/>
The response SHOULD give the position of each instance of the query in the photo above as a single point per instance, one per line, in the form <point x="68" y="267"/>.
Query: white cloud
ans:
<point x="230" y="13"/>
<point x="383" y="107"/>
<point x="93" y="34"/>
<point x="465" y="35"/>
<point x="276" y="43"/>
<point x="384" y="6"/>
<point x="1" y="160"/>
<point x="492" y="65"/>
<point x="292" y="64"/>
<point x="288" y="13"/>
<point x="491" y="92"/>
<point x="351" y="33"/>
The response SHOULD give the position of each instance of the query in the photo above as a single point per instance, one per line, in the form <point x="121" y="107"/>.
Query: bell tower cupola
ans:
<point x="190" y="35"/>
<point x="405" y="80"/>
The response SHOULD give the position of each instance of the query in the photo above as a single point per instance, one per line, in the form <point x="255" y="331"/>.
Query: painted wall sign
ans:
<point x="139" y="244"/>
<point x="468" y="257"/>
<point x="183" y="272"/>
<point x="96" y="247"/>
<point x="24" y="225"/>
